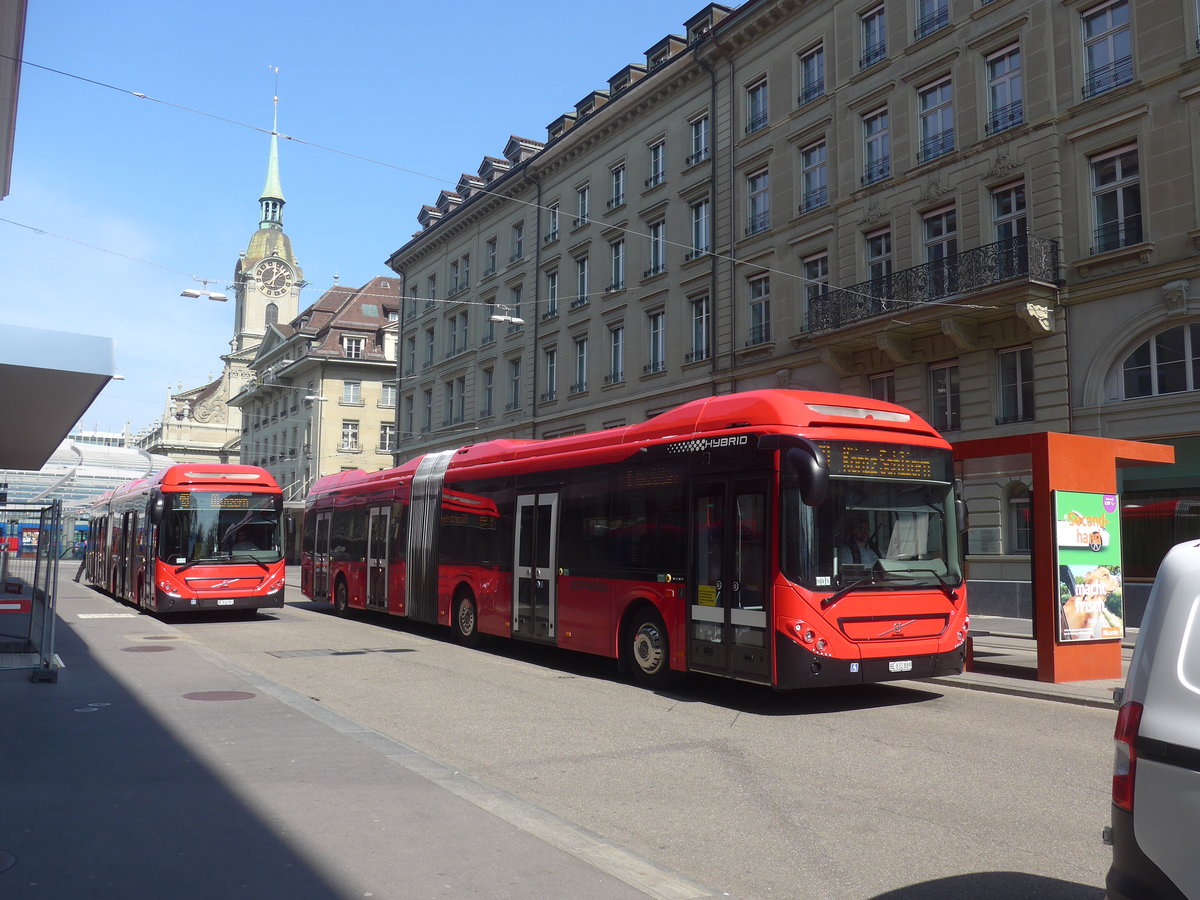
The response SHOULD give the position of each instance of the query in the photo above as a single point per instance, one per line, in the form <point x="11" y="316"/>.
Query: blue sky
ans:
<point x="131" y="198"/>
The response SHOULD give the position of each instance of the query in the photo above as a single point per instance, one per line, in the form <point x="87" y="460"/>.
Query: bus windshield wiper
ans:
<point x="842" y="592"/>
<point x="946" y="589"/>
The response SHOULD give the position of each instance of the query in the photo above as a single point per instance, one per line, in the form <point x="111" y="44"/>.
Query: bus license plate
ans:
<point x="900" y="665"/>
<point x="229" y="602"/>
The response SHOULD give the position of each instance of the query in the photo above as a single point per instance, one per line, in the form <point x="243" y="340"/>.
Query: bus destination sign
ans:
<point x="886" y="461"/>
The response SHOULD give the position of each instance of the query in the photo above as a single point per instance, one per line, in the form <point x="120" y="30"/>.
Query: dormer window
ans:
<point x="352" y="347"/>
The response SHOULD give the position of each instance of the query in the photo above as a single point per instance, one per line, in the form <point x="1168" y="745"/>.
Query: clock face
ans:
<point x="274" y="278"/>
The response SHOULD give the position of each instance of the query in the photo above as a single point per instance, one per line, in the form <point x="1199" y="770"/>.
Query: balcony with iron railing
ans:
<point x="614" y="378"/>
<point x="1117" y="234"/>
<point x="935" y="21"/>
<point x="877" y="171"/>
<point x="760" y="333"/>
<point x="811" y="91"/>
<point x="814" y="199"/>
<point x="698" y="157"/>
<point x="1026" y="258"/>
<point x="936" y="145"/>
<point x="873" y="54"/>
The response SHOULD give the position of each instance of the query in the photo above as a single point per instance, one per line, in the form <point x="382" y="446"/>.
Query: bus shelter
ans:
<point x="30" y="542"/>
<point x="1075" y="516"/>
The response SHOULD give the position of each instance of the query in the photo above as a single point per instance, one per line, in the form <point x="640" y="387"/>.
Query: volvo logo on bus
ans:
<point x="700" y="445"/>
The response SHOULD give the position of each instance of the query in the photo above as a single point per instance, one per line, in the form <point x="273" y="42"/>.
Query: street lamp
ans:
<point x="316" y="442"/>
<point x="196" y="293"/>
<point x="504" y="316"/>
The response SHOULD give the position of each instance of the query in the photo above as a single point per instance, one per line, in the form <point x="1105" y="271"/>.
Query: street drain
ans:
<point x="147" y="649"/>
<point x="219" y="695"/>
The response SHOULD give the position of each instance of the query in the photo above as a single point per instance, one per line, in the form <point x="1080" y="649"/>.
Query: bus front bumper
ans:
<point x="164" y="602"/>
<point x="798" y="667"/>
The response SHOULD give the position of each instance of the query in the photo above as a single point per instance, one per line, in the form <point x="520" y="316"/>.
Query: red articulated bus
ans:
<point x="195" y="536"/>
<point x="712" y="538"/>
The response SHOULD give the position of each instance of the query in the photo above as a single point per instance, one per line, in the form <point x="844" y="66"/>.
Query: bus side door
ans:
<point x="730" y="610"/>
<point x="321" y="556"/>
<point x="377" y="556"/>
<point x="535" y="573"/>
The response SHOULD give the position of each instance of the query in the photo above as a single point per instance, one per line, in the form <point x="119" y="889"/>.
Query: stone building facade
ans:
<point x="985" y="211"/>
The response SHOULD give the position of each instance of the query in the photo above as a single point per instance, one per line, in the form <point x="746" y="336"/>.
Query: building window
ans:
<point x="350" y="435"/>
<point x="812" y="74"/>
<point x="430" y="289"/>
<point x="701" y="323"/>
<point x="701" y="229"/>
<point x="427" y="399"/>
<point x="514" y="384"/>
<point x="272" y="314"/>
<point x="1011" y="225"/>
<point x="410" y="355"/>
<point x="1015" y="378"/>
<point x="814" y="176"/>
<point x="352" y="392"/>
<point x="489" y="257"/>
<point x="581" y="282"/>
<point x="387" y="395"/>
<point x="489" y="326"/>
<point x="935" y="105"/>
<point x="874" y="37"/>
<point x="941" y="251"/>
<point x="616" y="355"/>
<point x="877" y="156"/>
<point x="514" y="307"/>
<point x="487" y="389"/>
<point x="816" y="280"/>
<point x="409" y="416"/>
<point x="756" y="106"/>
<point x="518" y="241"/>
<point x="551" y="295"/>
<point x="658" y="249"/>
<point x="1116" y="199"/>
<point x="700" y="148"/>
<point x="618" y="186"/>
<point x="1005" y="104"/>
<point x="1107" y="48"/>
<point x="1018" y="538"/>
<point x="352" y="347"/>
<point x="943" y="397"/>
<point x="552" y="212"/>
<point x="387" y="437"/>
<point x="758" y="198"/>
<point x="658" y="164"/>
<point x="550" y="368"/>
<point x="882" y="387"/>
<point x="583" y="196"/>
<point x="617" y="269"/>
<point x="759" y="297"/>
<point x="656" y="342"/>
<point x="581" y="348"/>
<point x="879" y="263"/>
<point x="932" y="15"/>
<point x="430" y="343"/>
<point x="1168" y="363"/>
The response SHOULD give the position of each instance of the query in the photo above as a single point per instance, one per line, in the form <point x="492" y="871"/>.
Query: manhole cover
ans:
<point x="147" y="649"/>
<point x="7" y="860"/>
<point x="219" y="695"/>
<point x="161" y="637"/>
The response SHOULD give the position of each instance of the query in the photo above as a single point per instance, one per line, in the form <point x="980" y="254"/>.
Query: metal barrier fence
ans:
<point x="30" y="547"/>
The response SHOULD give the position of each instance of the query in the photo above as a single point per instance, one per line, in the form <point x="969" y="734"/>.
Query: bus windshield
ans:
<point x="211" y="526"/>
<point x="875" y="531"/>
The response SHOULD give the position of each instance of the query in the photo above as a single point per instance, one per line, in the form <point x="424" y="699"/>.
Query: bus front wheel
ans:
<point x="341" y="599"/>
<point x="466" y="619"/>
<point x="649" y="649"/>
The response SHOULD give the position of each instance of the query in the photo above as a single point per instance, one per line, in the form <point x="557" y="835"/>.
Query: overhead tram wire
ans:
<point x="912" y="304"/>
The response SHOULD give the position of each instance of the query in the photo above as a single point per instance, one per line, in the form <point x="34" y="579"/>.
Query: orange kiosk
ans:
<point x="1065" y="462"/>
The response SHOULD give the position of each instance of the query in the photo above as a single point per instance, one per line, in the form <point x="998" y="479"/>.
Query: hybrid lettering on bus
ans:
<point x="192" y="537"/>
<point x="715" y="537"/>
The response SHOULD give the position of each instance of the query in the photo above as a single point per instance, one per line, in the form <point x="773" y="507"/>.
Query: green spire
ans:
<point x="272" y="200"/>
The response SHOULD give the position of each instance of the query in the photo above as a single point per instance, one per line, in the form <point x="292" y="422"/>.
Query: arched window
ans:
<point x="272" y="314"/>
<point x="1168" y="363"/>
<point x="1018" y="532"/>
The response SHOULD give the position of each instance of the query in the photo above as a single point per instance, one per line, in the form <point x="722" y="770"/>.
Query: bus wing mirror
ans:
<point x="812" y="472"/>
<point x="960" y="513"/>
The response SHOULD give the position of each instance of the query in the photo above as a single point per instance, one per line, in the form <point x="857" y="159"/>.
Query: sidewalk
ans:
<point x="1005" y="655"/>
<point x="154" y="767"/>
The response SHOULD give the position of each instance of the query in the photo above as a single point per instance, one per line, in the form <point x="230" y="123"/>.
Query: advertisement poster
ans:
<point x="1087" y="531"/>
<point x="29" y="541"/>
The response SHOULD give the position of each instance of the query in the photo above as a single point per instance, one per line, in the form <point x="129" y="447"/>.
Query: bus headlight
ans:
<point x="169" y="589"/>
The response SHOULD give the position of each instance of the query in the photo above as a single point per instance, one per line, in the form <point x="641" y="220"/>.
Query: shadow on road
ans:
<point x="995" y="886"/>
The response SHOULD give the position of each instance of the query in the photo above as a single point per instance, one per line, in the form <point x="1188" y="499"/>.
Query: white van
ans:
<point x="1156" y="774"/>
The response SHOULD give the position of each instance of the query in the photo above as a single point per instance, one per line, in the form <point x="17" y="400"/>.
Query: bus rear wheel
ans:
<point x="341" y="598"/>
<point x="466" y="619"/>
<point x="649" y="650"/>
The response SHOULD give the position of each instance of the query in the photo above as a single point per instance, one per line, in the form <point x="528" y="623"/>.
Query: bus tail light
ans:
<point x="1125" y="762"/>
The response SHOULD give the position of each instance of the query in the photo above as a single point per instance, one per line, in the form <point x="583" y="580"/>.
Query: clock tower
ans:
<point x="267" y="278"/>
